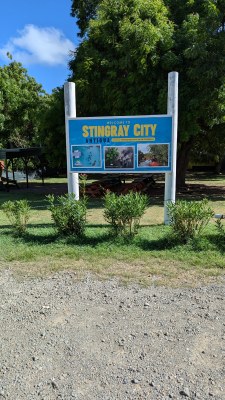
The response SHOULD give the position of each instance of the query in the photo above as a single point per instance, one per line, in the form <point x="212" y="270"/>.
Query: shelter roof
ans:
<point x="9" y="154"/>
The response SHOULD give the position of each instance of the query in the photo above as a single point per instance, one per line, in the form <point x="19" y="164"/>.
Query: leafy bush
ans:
<point x="220" y="227"/>
<point x="189" y="218"/>
<point x="68" y="214"/>
<point x="124" y="212"/>
<point x="18" y="213"/>
<point x="83" y="184"/>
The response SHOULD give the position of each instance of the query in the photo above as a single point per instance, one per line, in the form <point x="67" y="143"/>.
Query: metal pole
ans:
<point x="70" y="112"/>
<point x="172" y="109"/>
<point x="13" y="172"/>
<point x="26" y="170"/>
<point x="7" y="175"/>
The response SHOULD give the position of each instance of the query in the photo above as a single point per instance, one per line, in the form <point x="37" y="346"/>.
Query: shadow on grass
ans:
<point x="29" y="238"/>
<point x="100" y="235"/>
<point x="95" y="235"/>
<point x="194" y="196"/>
<point x="41" y="225"/>
<point x="36" y="201"/>
<point x="164" y="243"/>
<point x="168" y="241"/>
<point x="217" y="242"/>
<point x="205" y="176"/>
<point x="53" y="237"/>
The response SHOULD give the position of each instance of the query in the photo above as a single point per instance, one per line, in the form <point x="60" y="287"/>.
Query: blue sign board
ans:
<point x="137" y="144"/>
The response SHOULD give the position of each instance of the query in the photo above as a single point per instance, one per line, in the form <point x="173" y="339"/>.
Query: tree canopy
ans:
<point x="129" y="47"/>
<point x="21" y="102"/>
<point x="52" y="130"/>
<point x="119" y="66"/>
<point x="83" y="10"/>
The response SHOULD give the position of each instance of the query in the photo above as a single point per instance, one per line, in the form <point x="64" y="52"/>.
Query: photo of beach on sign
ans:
<point x="153" y="155"/>
<point x="86" y="156"/>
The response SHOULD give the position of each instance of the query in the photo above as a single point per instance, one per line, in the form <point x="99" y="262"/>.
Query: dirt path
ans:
<point x="62" y="338"/>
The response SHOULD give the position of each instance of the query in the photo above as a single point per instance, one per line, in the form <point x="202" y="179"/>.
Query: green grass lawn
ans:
<point x="152" y="256"/>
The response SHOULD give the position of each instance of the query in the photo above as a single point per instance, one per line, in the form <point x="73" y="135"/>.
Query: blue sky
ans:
<point x="40" y="34"/>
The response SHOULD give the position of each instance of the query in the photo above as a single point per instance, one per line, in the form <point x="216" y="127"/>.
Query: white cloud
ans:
<point x="34" y="45"/>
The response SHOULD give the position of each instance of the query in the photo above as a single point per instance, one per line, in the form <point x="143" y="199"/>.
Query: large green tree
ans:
<point x="21" y="102"/>
<point x="199" y="46"/>
<point x="52" y="132"/>
<point x="121" y="65"/>
<point x="83" y="10"/>
<point x="129" y="47"/>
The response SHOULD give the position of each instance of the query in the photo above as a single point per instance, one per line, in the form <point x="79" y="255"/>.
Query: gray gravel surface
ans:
<point x="62" y="338"/>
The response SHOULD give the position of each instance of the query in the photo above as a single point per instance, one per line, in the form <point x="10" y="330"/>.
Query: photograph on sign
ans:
<point x="86" y="156"/>
<point x="153" y="155"/>
<point x="121" y="144"/>
<point x="119" y="157"/>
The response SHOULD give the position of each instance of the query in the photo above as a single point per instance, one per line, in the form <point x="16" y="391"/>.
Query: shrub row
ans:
<point x="123" y="213"/>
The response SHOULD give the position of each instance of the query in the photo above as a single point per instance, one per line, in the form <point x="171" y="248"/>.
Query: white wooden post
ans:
<point x="70" y="112"/>
<point x="172" y="109"/>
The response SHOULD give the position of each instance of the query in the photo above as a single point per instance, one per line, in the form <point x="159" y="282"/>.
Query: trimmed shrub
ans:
<point x="68" y="214"/>
<point x="220" y="227"/>
<point x="189" y="218"/>
<point x="124" y="212"/>
<point x="18" y="213"/>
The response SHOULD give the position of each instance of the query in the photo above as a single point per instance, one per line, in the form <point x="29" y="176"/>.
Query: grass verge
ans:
<point x="153" y="256"/>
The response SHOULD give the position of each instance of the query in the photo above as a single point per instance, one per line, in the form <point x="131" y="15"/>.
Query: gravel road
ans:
<point x="64" y="338"/>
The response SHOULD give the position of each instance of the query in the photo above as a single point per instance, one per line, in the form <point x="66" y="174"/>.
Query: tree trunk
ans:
<point x="219" y="164"/>
<point x="182" y="162"/>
